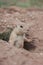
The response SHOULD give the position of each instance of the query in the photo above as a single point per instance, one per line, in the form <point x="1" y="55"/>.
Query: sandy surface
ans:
<point x="13" y="56"/>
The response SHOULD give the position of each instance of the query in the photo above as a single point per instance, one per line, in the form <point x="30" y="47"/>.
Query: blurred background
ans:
<point x="22" y="3"/>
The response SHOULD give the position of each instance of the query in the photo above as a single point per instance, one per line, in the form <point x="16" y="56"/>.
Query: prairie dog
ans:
<point x="17" y="36"/>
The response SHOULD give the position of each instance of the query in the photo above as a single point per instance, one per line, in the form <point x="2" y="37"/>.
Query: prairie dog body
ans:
<point x="17" y="37"/>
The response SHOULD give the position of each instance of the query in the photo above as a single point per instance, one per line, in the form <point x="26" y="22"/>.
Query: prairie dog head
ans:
<point x="20" y="29"/>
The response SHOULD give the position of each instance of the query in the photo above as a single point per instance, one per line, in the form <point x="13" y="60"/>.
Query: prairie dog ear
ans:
<point x="17" y="26"/>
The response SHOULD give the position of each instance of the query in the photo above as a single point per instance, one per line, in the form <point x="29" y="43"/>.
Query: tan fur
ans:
<point x="17" y="37"/>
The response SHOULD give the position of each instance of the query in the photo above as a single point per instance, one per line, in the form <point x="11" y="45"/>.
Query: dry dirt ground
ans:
<point x="32" y="54"/>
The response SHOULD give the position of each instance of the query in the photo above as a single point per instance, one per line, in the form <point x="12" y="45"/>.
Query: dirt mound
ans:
<point x="14" y="15"/>
<point x="14" y="56"/>
<point x="32" y="53"/>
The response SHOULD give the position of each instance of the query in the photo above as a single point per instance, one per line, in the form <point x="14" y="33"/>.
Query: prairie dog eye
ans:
<point x="21" y="26"/>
